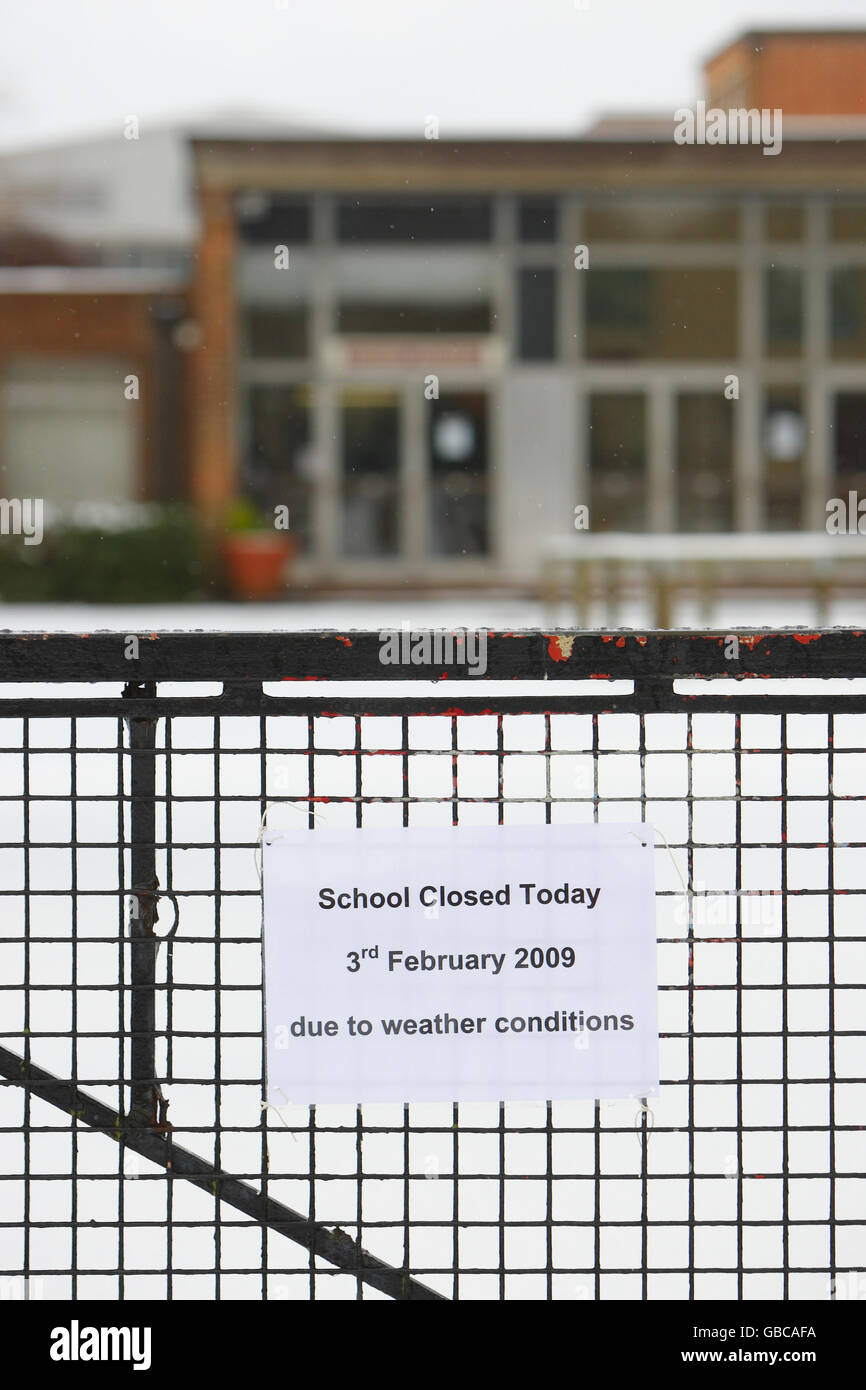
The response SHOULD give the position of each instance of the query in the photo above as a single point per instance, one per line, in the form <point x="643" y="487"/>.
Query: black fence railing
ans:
<point x="139" y="1159"/>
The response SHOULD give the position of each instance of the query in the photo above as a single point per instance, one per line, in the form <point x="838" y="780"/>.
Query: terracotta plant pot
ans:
<point x="257" y="562"/>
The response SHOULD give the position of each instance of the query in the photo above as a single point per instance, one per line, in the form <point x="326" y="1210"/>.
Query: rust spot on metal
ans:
<point x="159" y="1112"/>
<point x="620" y="641"/>
<point x="346" y="641"/>
<point x="804" y="637"/>
<point x="559" y="648"/>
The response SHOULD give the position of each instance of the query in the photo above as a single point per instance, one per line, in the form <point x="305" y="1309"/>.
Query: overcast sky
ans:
<point x="479" y="66"/>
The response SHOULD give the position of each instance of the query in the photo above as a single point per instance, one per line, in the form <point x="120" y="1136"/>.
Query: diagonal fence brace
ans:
<point x="335" y="1246"/>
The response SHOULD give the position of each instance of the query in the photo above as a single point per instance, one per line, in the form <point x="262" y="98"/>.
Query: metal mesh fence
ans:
<point x="137" y="1156"/>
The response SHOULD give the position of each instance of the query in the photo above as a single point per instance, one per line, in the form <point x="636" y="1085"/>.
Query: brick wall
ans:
<point x="809" y="74"/>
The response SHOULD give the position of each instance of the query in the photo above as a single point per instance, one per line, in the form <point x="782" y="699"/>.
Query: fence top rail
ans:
<point x="430" y="654"/>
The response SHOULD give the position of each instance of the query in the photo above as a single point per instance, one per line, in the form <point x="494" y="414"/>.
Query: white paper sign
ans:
<point x="473" y="963"/>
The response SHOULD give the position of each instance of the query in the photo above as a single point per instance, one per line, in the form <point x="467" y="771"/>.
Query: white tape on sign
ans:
<point x="473" y="963"/>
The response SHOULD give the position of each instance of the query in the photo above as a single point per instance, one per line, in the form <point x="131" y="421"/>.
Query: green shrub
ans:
<point x="244" y="515"/>
<point x="153" y="556"/>
<point x="24" y="575"/>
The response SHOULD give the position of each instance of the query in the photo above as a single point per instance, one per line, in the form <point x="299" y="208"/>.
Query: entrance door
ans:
<point x="412" y="475"/>
<point x="704" y="462"/>
<point x="848" y="443"/>
<point x="370" y="488"/>
<point x="458" y="463"/>
<point x="618" y="460"/>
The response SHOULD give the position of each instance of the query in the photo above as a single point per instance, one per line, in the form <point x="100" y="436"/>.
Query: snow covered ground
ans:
<point x="373" y="614"/>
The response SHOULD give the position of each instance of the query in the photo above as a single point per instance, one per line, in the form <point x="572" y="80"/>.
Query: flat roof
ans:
<point x="820" y="155"/>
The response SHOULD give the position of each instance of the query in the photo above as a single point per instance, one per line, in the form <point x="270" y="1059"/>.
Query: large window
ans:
<point x="784" y="312"/>
<point x="273" y="219"/>
<point x="665" y="220"/>
<point x="666" y="314"/>
<point x="277" y="332"/>
<point x="784" y="222"/>
<point x="447" y="318"/>
<point x="430" y="218"/>
<point x="280" y="465"/>
<point x="848" y="222"/>
<point x="618" y="313"/>
<point x="848" y="312"/>
<point x="537" y="219"/>
<point x="448" y="290"/>
<point x="536" y="313"/>
<point x="705" y="464"/>
<point x="617" y="461"/>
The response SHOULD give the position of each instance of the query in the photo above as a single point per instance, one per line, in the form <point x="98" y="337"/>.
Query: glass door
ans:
<point x="279" y="467"/>
<point x="704" y="461"/>
<point x="457" y="485"/>
<point x="412" y="475"/>
<point x="848" y="448"/>
<point x="369" y="472"/>
<point x="618" y="461"/>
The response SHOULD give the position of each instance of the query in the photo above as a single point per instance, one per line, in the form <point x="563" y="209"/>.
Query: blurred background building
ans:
<point x="393" y="338"/>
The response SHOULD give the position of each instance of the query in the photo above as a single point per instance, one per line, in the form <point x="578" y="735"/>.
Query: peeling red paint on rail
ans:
<point x="455" y="711"/>
<point x="559" y="647"/>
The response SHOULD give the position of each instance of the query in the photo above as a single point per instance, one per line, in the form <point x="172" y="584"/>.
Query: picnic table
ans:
<point x="581" y="565"/>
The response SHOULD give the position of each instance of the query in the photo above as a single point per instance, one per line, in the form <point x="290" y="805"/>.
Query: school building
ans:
<point x="433" y="349"/>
